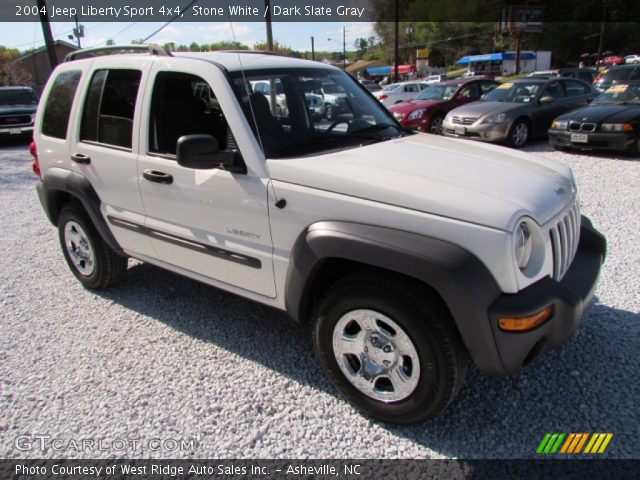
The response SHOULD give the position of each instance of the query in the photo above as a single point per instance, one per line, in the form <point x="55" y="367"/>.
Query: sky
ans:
<point x="297" y="36"/>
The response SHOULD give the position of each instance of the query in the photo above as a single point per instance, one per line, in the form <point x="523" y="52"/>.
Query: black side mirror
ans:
<point x="202" y="152"/>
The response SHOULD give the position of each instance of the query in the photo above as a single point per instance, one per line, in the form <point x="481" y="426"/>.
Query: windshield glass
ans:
<point x="624" y="73"/>
<point x="390" y="88"/>
<point x="620" y="93"/>
<point x="18" y="97"/>
<point x="437" y="92"/>
<point x="302" y="120"/>
<point x="521" y="92"/>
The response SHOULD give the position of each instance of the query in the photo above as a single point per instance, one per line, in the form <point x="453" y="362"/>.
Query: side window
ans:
<point x="575" y="89"/>
<point x="585" y="76"/>
<point x="179" y="108"/>
<point x="470" y="91"/>
<point x="486" y="87"/>
<point x="55" y="121"/>
<point x="107" y="117"/>
<point x="411" y="88"/>
<point x="554" y="90"/>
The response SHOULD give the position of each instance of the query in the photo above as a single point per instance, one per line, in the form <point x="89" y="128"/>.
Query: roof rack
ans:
<point x="115" y="49"/>
<point x="257" y="52"/>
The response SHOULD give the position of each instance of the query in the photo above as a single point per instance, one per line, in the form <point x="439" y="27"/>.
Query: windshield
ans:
<point x="437" y="92"/>
<point x="620" y="93"/>
<point x="521" y="92"/>
<point x="18" y="97"/>
<point x="625" y="73"/>
<point x="298" y="123"/>
<point x="390" y="88"/>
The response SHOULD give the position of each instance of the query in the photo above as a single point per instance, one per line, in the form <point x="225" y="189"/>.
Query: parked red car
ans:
<point x="612" y="60"/>
<point x="428" y="109"/>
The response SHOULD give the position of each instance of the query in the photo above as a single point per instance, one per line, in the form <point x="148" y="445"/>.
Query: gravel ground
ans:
<point x="162" y="358"/>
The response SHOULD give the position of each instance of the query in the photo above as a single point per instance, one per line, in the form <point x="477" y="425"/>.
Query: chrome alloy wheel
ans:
<point x="436" y="125"/>
<point x="520" y="134"/>
<point x="79" y="248"/>
<point x="376" y="355"/>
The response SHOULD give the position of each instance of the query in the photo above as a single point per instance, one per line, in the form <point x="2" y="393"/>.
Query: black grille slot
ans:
<point x="15" y="120"/>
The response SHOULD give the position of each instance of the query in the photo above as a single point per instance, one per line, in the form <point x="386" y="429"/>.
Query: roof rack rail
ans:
<point x="114" y="49"/>
<point x="257" y="52"/>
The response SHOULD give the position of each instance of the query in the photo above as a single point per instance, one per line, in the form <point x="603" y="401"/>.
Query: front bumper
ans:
<point x="491" y="132"/>
<point x="20" y="130"/>
<point x="569" y="297"/>
<point x="621" y="141"/>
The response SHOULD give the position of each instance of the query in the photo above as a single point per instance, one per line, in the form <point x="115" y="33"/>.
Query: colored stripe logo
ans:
<point x="574" y="443"/>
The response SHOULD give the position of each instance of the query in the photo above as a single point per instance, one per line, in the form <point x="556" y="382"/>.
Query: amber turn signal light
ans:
<point x="522" y="324"/>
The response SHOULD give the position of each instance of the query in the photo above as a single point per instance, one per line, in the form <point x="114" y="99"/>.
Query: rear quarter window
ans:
<point x="55" y="121"/>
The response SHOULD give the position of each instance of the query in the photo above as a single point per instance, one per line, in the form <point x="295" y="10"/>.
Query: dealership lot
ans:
<point x="163" y="366"/>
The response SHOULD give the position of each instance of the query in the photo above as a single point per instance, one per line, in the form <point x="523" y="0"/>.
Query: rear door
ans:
<point x="104" y="145"/>
<point x="212" y="222"/>
<point x="544" y="113"/>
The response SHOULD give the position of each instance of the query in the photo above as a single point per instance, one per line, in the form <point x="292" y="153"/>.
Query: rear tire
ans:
<point x="408" y="362"/>
<point x="89" y="257"/>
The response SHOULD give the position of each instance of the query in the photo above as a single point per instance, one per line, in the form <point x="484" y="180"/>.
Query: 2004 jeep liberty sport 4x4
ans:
<point x="407" y="253"/>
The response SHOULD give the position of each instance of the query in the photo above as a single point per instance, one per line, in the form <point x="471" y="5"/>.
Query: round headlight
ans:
<point x="522" y="246"/>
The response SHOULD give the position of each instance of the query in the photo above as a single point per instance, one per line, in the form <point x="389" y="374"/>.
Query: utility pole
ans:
<point x="604" y="17"/>
<point x="518" y="38"/>
<point x="46" y="32"/>
<point x="313" y="50"/>
<point x="78" y="31"/>
<point x="344" y="48"/>
<point x="396" y="46"/>
<point x="267" y="6"/>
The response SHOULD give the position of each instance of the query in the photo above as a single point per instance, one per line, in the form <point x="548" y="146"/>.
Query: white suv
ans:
<point x="408" y="253"/>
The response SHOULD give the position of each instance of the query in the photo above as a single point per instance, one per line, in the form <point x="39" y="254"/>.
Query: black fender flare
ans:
<point x="460" y="278"/>
<point x="59" y="180"/>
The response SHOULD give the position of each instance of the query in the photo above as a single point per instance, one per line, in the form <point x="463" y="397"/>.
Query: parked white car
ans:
<point x="632" y="59"/>
<point x="406" y="253"/>
<point x="432" y="79"/>
<point x="399" y="92"/>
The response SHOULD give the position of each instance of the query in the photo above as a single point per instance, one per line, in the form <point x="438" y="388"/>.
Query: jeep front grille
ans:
<point x="565" y="235"/>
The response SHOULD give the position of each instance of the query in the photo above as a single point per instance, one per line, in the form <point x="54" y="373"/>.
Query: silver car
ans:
<point x="517" y="110"/>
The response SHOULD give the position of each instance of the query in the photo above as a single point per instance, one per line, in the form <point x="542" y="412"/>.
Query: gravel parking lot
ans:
<point x="161" y="357"/>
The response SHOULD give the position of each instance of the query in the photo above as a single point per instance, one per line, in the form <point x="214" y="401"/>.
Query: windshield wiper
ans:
<point x="380" y="126"/>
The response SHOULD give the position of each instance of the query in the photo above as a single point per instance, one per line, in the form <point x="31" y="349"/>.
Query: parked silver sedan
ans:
<point x="517" y="110"/>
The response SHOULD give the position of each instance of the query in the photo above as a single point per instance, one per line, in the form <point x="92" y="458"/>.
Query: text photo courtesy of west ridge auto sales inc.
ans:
<point x="278" y="239"/>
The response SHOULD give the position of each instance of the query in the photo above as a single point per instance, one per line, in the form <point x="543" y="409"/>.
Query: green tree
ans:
<point x="10" y="74"/>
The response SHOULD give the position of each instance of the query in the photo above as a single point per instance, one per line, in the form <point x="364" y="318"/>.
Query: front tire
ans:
<point x="89" y="257"/>
<point x="436" y="125"/>
<point x="518" y="134"/>
<point x="391" y="349"/>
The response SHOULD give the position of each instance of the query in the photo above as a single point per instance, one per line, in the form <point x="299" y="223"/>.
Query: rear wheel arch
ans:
<point x="59" y="187"/>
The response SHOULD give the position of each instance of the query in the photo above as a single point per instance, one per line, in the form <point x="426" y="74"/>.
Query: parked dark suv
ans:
<point x="17" y="111"/>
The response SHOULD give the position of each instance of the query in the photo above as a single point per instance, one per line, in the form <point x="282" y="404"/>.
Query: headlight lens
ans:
<point x="494" y="118"/>
<point x="617" y="127"/>
<point x="560" y="124"/>
<point x="416" y="114"/>
<point x="522" y="245"/>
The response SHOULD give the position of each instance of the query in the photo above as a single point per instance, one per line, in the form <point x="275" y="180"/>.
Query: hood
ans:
<point x="411" y="105"/>
<point x="469" y="181"/>
<point x="601" y="113"/>
<point x="17" y="109"/>
<point x="482" y="107"/>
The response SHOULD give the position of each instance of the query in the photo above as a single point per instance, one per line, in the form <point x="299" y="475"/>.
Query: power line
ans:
<point x="166" y="24"/>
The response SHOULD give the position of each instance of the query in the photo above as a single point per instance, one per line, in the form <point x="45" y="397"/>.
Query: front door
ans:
<point x="211" y="222"/>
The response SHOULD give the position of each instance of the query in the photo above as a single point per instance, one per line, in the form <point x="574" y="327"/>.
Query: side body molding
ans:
<point x="460" y="278"/>
<point x="59" y="180"/>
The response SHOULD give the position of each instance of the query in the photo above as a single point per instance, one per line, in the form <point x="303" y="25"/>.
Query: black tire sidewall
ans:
<point x="436" y="117"/>
<point x="428" y="394"/>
